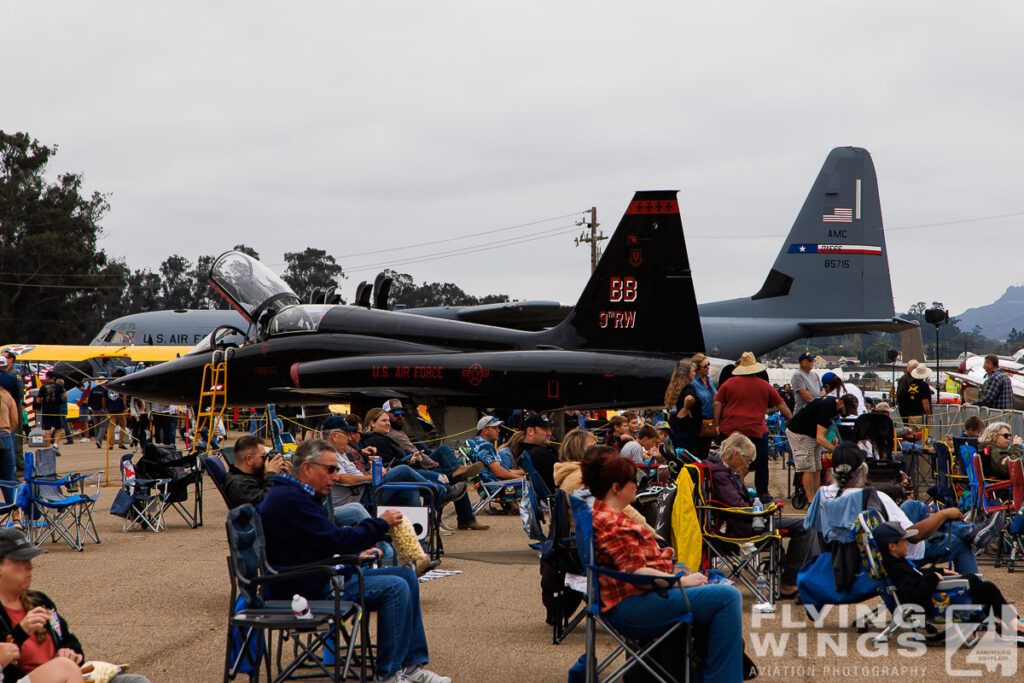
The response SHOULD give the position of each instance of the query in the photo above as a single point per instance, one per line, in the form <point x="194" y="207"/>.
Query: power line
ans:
<point x="26" y="284"/>
<point x="450" y="239"/>
<point x="464" y="252"/>
<point x="960" y="222"/>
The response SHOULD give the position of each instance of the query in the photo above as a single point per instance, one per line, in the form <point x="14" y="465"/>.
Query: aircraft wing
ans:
<point x="828" y="327"/>
<point x="964" y="379"/>
<point x="154" y="354"/>
<point x="73" y="352"/>
<point x="519" y="315"/>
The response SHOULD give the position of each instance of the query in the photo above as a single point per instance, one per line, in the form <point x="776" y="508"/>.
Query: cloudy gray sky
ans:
<point x="358" y="127"/>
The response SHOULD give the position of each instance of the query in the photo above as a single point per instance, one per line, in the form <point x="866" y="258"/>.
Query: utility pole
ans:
<point x="592" y="239"/>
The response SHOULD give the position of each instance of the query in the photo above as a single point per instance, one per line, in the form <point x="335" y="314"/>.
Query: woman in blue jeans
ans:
<point x="624" y="545"/>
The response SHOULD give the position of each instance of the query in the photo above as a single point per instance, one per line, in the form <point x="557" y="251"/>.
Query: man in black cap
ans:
<point x="806" y="433"/>
<point x="537" y="444"/>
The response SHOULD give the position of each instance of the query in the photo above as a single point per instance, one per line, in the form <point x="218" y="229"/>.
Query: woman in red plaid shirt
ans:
<point x="623" y="545"/>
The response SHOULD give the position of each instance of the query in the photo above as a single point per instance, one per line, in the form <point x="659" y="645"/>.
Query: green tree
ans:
<point x="407" y="294"/>
<point x="53" y="278"/>
<point x="311" y="269"/>
<point x="177" y="280"/>
<point x="246" y="249"/>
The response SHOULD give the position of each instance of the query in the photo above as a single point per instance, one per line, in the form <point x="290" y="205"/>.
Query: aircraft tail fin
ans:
<point x="640" y="297"/>
<point x="833" y="263"/>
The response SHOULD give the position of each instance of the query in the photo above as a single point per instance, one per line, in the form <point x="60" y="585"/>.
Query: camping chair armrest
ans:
<point x="742" y="512"/>
<point x="84" y="481"/>
<point x="997" y="484"/>
<point x="631" y="578"/>
<point x="950" y="584"/>
<point x="428" y="489"/>
<point x="66" y="480"/>
<point x="504" y="482"/>
<point x="332" y="562"/>
<point x="290" y="574"/>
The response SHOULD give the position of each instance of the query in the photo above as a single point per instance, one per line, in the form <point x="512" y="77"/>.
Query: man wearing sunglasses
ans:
<point x="298" y="531"/>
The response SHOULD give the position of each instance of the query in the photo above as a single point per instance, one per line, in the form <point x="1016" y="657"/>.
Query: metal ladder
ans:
<point x="213" y="395"/>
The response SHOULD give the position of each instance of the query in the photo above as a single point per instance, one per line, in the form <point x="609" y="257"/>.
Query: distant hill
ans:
<point x="998" y="318"/>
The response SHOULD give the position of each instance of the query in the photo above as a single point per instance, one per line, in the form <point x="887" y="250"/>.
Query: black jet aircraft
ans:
<point x="636" y="317"/>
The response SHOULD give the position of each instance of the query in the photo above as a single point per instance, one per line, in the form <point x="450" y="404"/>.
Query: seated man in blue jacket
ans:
<point x="298" y="531"/>
<point x="736" y="454"/>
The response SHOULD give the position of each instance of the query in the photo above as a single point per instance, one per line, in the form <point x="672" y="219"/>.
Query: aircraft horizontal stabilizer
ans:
<point x="828" y="328"/>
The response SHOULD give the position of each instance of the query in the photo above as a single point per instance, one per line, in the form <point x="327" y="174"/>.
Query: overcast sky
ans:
<point x="357" y="127"/>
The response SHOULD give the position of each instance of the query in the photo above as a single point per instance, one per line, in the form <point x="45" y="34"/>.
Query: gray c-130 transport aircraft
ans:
<point x="830" y="277"/>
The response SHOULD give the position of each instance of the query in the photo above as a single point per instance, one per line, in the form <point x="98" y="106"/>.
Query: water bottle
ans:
<point x="758" y="522"/>
<point x="376" y="470"/>
<point x="762" y="584"/>
<point x="300" y="607"/>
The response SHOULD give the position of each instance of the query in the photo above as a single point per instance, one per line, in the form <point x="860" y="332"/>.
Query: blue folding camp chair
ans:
<point x="58" y="506"/>
<point x="535" y="493"/>
<point x="252" y="618"/>
<point x="505" y="493"/>
<point x="636" y="652"/>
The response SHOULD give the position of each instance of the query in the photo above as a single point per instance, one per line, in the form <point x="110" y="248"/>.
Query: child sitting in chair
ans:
<point x="915" y="586"/>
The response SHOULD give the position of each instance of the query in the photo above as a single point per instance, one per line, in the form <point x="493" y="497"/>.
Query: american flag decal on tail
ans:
<point x="838" y="215"/>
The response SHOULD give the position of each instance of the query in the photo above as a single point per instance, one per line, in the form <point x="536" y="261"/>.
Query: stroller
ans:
<point x="798" y="496"/>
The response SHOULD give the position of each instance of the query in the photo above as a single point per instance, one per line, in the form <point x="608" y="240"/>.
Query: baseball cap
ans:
<point x="536" y="420"/>
<point x="891" y="532"/>
<point x="392" y="404"/>
<point x="828" y="377"/>
<point x="662" y="425"/>
<point x="883" y="407"/>
<point x="807" y="356"/>
<point x="487" y="421"/>
<point x="846" y="458"/>
<point x="15" y="545"/>
<point x="337" y="422"/>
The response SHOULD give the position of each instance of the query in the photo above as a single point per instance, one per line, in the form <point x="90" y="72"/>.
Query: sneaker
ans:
<point x="85" y="440"/>
<point x="475" y="525"/>
<point x="398" y="677"/>
<point x="421" y="675"/>
<point x="455" y="492"/>
<point x="467" y="472"/>
<point x="989" y="532"/>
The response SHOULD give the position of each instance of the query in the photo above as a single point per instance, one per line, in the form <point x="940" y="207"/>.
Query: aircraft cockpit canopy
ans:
<point x="252" y="287"/>
<point x="297" y="319"/>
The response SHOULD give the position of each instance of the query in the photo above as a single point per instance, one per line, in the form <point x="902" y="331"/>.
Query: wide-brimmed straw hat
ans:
<point x="748" y="365"/>
<point x="921" y="372"/>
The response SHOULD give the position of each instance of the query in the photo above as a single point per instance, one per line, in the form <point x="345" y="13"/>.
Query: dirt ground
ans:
<point x="159" y="601"/>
